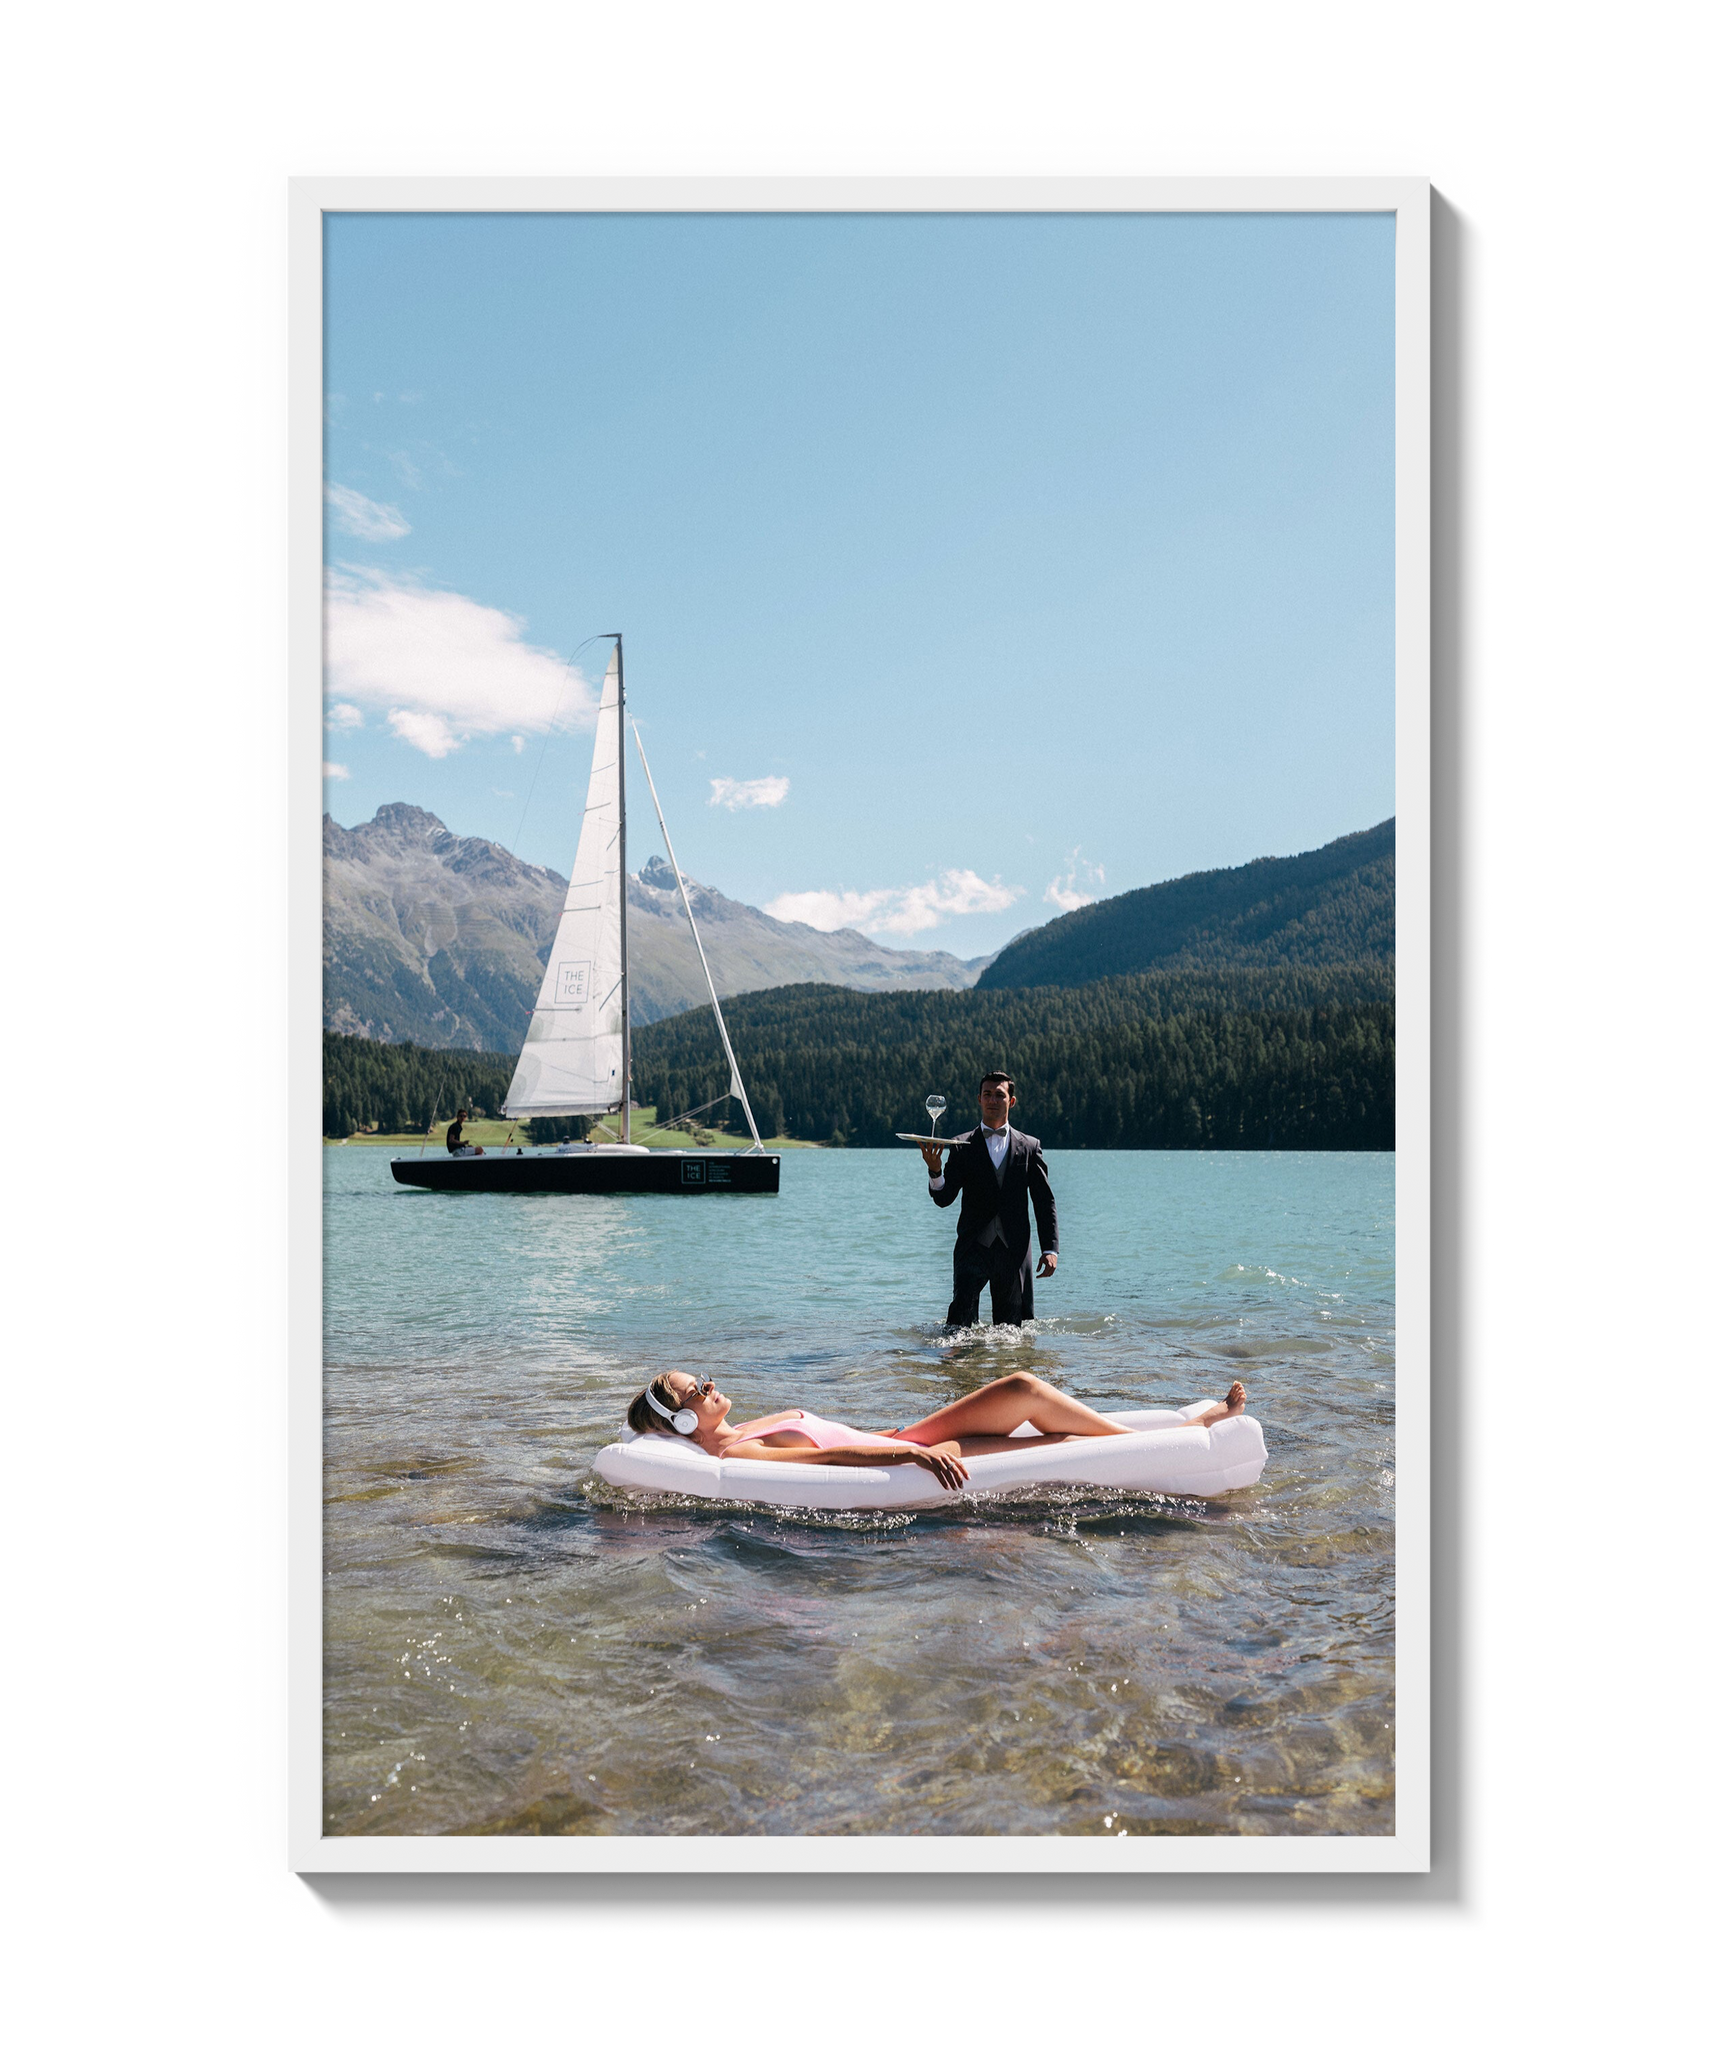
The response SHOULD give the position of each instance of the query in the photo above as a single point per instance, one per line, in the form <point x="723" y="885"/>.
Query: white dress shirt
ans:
<point x="995" y="1143"/>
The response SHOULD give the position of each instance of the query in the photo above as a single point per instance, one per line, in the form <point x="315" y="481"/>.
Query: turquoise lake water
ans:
<point x="514" y="1647"/>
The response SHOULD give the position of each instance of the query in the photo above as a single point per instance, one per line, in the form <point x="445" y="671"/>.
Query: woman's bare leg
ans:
<point x="999" y="1409"/>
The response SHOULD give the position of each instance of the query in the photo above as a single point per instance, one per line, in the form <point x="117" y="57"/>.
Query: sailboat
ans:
<point x="577" y="1055"/>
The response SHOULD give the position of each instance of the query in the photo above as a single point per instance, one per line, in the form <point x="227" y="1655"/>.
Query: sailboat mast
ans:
<point x="625" y="985"/>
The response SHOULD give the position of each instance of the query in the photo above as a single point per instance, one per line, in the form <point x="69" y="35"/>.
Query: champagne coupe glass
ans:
<point x="936" y="1104"/>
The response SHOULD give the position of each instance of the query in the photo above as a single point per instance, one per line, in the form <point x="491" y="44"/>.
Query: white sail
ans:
<point x="573" y="1059"/>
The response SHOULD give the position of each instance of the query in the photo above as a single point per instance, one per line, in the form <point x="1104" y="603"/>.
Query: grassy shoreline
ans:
<point x="491" y="1134"/>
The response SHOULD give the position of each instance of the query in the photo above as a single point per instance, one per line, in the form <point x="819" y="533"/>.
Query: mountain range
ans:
<point x="442" y="939"/>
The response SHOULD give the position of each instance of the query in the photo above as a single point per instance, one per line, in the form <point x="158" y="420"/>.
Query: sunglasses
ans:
<point x="699" y="1390"/>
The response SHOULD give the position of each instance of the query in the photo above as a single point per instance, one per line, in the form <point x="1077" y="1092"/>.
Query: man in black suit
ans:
<point x="993" y="1173"/>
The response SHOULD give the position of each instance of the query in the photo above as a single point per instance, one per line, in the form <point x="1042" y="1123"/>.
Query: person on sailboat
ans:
<point x="679" y="1404"/>
<point x="456" y="1139"/>
<point x="994" y="1172"/>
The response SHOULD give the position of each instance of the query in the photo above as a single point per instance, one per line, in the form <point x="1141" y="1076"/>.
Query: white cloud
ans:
<point x="442" y="667"/>
<point x="428" y="731"/>
<point x="333" y="772"/>
<point x="762" y="795"/>
<point x="956" y="892"/>
<point x="1065" y="896"/>
<point x="518" y="743"/>
<point x="1065" y="891"/>
<point x="344" y="718"/>
<point x="363" y="518"/>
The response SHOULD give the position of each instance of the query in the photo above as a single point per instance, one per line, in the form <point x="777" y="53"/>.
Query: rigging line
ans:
<point x="430" y="1133"/>
<point x="548" y="734"/>
<point x="735" y="1084"/>
<point x="686" y="1117"/>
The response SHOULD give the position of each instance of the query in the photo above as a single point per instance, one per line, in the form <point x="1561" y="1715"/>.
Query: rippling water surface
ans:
<point x="515" y="1648"/>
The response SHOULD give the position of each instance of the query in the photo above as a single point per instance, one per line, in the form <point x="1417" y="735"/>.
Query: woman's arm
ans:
<point x="938" y="1459"/>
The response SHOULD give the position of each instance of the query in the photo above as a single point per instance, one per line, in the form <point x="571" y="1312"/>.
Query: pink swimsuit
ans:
<point x="827" y="1436"/>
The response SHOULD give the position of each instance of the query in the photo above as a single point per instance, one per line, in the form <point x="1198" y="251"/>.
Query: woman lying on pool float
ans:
<point x="676" y="1404"/>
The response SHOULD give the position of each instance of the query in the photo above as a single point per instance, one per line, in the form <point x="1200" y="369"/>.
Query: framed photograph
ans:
<point x="859" y="1191"/>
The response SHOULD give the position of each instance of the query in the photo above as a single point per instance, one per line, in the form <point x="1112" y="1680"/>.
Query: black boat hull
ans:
<point x="595" y="1171"/>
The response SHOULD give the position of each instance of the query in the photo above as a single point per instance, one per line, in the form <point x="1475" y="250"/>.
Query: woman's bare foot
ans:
<point x="1233" y="1404"/>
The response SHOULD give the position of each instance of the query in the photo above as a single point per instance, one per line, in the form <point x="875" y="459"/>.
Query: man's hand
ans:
<point x="932" y="1155"/>
<point x="1046" y="1264"/>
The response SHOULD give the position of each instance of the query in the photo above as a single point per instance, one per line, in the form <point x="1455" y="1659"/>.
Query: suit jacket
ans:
<point x="987" y="1199"/>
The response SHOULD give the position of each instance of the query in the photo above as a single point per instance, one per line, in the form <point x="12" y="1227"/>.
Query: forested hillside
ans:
<point x="1337" y="903"/>
<point x="400" y="1087"/>
<point x="1290" y="1057"/>
<point x="1294" y="1058"/>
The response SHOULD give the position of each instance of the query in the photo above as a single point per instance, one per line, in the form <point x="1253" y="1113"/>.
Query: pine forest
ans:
<point x="1290" y="1058"/>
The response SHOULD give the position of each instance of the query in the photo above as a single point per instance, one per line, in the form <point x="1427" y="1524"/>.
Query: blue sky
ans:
<point x="968" y="566"/>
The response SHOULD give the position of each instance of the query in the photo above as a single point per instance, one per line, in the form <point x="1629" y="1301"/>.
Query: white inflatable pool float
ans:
<point x="1154" y="1457"/>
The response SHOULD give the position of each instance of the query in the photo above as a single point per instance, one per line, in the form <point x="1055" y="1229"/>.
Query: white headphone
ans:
<point x="684" y="1421"/>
